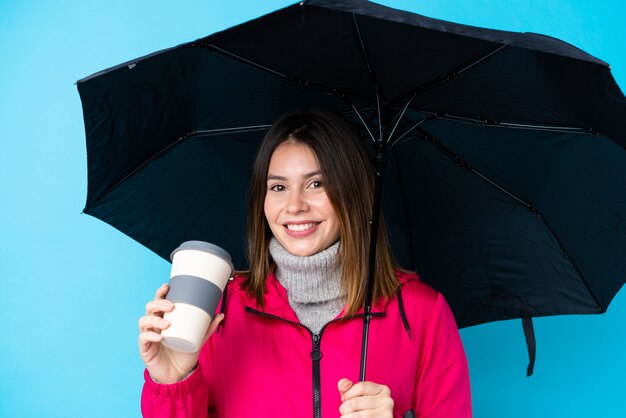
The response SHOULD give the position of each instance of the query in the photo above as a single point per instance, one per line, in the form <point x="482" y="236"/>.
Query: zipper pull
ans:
<point x="316" y="353"/>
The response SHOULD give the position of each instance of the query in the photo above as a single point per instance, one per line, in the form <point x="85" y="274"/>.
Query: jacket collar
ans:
<point x="275" y="300"/>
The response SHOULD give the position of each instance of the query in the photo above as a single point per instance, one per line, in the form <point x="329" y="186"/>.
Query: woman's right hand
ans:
<point x="163" y="364"/>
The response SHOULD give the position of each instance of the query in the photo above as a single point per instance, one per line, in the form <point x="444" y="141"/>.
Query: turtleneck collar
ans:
<point x="310" y="279"/>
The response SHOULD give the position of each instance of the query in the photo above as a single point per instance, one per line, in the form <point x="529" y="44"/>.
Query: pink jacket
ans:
<point x="262" y="361"/>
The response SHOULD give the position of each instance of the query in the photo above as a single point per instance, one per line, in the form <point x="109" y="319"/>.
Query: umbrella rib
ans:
<point x="373" y="77"/>
<point x="370" y="69"/>
<point x="397" y="141"/>
<point x="234" y="130"/>
<point x="240" y="129"/>
<point x="564" y="129"/>
<point x="478" y="61"/>
<point x="363" y="122"/>
<point x="144" y="163"/>
<point x="443" y="79"/>
<point x="399" y="117"/>
<point x="464" y="164"/>
<point x="493" y="123"/>
<point x="294" y="80"/>
<point x="217" y="48"/>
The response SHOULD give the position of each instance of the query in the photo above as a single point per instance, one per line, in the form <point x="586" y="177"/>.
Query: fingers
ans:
<point x="215" y="323"/>
<point x="153" y="320"/>
<point x="146" y="339"/>
<point x="162" y="291"/>
<point x="152" y="323"/>
<point x="364" y="396"/>
<point x="159" y="305"/>
<point x="213" y="326"/>
<point x="344" y="385"/>
<point x="364" y="389"/>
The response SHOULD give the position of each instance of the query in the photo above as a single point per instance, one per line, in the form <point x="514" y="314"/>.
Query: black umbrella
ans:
<point x="506" y="172"/>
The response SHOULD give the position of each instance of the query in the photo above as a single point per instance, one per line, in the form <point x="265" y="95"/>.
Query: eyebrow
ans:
<point x="282" y="178"/>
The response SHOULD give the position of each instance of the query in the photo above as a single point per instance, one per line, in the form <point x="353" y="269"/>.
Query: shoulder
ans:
<point x="235" y="288"/>
<point x="412" y="287"/>
<point x="273" y="291"/>
<point x="237" y="281"/>
<point x="418" y="296"/>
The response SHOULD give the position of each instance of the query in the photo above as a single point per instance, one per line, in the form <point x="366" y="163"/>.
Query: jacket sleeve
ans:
<point x="442" y="384"/>
<point x="185" y="399"/>
<point x="189" y="398"/>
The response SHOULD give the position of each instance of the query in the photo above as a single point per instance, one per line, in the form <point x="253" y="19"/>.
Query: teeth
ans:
<point x="300" y="227"/>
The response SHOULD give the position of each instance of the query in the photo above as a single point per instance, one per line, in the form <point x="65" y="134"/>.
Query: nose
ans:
<point x="296" y="202"/>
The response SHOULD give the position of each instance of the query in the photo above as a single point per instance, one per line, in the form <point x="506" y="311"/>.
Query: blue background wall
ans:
<point x="74" y="287"/>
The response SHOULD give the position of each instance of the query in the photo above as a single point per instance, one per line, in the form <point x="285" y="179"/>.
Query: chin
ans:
<point x="301" y="250"/>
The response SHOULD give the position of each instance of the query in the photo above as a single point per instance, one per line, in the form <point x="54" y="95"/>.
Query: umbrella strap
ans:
<point x="529" y="333"/>
<point x="402" y="313"/>
<point x="223" y="305"/>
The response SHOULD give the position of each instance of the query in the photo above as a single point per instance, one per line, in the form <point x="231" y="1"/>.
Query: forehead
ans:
<point x="293" y="155"/>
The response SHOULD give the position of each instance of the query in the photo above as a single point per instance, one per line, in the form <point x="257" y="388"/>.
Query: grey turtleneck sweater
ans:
<point x="313" y="284"/>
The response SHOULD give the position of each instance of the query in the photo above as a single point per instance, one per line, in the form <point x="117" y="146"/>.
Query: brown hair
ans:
<point x="349" y="184"/>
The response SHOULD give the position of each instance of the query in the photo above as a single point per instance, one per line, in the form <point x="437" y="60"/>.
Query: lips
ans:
<point x="301" y="229"/>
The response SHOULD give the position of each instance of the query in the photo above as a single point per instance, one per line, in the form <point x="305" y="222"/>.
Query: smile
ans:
<point x="301" y="227"/>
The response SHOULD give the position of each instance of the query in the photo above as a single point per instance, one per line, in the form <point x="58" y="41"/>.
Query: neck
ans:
<point x="313" y="283"/>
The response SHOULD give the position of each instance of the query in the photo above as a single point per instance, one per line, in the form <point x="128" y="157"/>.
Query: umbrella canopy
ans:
<point x="506" y="181"/>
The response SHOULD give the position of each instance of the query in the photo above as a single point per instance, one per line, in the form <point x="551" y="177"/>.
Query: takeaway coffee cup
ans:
<point x="199" y="274"/>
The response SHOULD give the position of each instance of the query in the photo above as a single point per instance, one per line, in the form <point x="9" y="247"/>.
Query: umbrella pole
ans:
<point x="380" y="162"/>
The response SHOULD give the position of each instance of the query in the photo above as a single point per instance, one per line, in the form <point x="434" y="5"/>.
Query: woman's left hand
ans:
<point x="365" y="400"/>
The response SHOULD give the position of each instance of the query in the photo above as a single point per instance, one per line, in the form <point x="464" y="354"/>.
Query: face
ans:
<point x="297" y="208"/>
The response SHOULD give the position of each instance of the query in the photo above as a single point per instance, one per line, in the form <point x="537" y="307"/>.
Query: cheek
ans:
<point x="337" y="228"/>
<point x="331" y="215"/>
<point x="266" y="209"/>
<point x="269" y="209"/>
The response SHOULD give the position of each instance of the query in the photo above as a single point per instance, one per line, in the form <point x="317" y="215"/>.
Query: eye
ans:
<point x="277" y="188"/>
<point x="316" y="184"/>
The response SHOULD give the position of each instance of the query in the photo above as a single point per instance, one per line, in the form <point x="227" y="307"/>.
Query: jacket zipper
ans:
<point x="316" y="356"/>
<point x="316" y="353"/>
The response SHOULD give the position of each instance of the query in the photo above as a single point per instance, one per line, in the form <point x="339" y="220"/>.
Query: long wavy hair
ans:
<point x="349" y="184"/>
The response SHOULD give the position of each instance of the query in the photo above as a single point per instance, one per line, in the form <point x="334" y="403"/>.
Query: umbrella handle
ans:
<point x="366" y="329"/>
<point x="380" y="162"/>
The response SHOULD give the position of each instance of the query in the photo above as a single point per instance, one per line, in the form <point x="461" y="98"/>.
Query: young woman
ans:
<point x="289" y="343"/>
